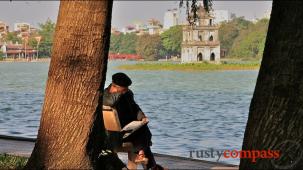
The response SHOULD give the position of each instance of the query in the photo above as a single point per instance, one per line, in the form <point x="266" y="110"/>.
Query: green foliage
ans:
<point x="129" y="43"/>
<point x="46" y="30"/>
<point x="1" y="55"/>
<point x="204" y="66"/>
<point x="115" y="43"/>
<point x="171" y="40"/>
<point x="12" y="162"/>
<point x="250" y="42"/>
<point x="32" y="42"/>
<point x="12" y="37"/>
<point x="149" y="46"/>
<point x="229" y="31"/>
<point x="123" y="43"/>
<point x="242" y="38"/>
<point x="169" y="43"/>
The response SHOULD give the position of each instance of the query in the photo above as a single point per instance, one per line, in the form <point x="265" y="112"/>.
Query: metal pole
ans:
<point x="25" y="50"/>
<point x="37" y="51"/>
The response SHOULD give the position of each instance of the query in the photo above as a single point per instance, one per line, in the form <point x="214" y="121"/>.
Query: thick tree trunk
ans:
<point x="71" y="128"/>
<point x="276" y="110"/>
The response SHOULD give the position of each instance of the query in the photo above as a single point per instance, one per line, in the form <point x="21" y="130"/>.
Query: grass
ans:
<point x="12" y="162"/>
<point x="203" y="66"/>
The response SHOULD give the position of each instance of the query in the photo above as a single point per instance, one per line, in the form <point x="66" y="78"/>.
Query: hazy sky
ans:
<point x="124" y="12"/>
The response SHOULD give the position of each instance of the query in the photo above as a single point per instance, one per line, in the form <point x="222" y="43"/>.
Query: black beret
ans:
<point x="121" y="79"/>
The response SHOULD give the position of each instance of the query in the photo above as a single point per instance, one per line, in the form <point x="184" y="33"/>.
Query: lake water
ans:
<point x="187" y="110"/>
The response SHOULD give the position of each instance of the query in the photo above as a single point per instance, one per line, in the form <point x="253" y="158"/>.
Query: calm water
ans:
<point x="187" y="110"/>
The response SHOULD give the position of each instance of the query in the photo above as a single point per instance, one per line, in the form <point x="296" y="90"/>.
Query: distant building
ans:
<point x="139" y="25"/>
<point x="129" y="29"/>
<point x="112" y="56"/>
<point x="115" y="31"/>
<point x="154" y="27"/>
<point x="18" y="51"/>
<point x="152" y="30"/>
<point x="171" y="18"/>
<point x="221" y="16"/>
<point x="200" y="41"/>
<point x="3" y="29"/>
<point x="22" y="27"/>
<point x="33" y="30"/>
<point x="2" y="49"/>
<point x="141" y="28"/>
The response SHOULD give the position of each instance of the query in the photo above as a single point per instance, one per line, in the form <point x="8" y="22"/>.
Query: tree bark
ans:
<point x="276" y="110"/>
<point x="71" y="128"/>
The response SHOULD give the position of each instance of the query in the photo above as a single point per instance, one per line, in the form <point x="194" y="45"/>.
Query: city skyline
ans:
<point x="124" y="12"/>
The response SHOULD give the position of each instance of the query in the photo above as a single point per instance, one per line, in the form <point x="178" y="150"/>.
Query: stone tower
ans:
<point x="201" y="41"/>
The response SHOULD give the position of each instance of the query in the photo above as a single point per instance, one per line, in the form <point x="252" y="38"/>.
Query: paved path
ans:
<point x="23" y="147"/>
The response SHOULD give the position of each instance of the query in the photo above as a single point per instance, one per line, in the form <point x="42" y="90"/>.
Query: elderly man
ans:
<point x="120" y="97"/>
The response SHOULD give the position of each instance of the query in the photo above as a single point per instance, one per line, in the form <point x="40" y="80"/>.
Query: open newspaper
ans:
<point x="132" y="127"/>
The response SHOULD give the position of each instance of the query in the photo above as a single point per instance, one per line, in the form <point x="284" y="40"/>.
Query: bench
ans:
<point x="112" y="124"/>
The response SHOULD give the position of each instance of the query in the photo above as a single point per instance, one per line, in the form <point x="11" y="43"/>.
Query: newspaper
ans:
<point x="132" y="127"/>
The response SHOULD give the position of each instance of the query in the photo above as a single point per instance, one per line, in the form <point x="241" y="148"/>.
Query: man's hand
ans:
<point x="145" y="120"/>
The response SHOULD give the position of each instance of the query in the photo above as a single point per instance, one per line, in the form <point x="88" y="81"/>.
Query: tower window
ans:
<point x="211" y="38"/>
<point x="212" y="57"/>
<point x="200" y="57"/>
<point x="200" y="37"/>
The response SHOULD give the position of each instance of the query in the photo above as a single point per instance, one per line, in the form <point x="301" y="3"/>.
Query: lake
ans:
<point x="187" y="110"/>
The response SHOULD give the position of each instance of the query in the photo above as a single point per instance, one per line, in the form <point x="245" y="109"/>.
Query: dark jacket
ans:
<point x="128" y="111"/>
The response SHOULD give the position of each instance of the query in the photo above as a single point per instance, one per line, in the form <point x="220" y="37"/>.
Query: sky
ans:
<point x="124" y="12"/>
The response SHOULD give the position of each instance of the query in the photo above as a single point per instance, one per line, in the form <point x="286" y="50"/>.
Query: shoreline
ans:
<point x="40" y="60"/>
<point x="203" y="66"/>
<point x="21" y="149"/>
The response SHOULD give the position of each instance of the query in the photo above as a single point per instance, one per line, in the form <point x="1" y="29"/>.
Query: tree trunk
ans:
<point x="276" y="110"/>
<point x="71" y="128"/>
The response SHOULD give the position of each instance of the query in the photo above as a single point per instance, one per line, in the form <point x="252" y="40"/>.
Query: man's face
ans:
<point x="117" y="89"/>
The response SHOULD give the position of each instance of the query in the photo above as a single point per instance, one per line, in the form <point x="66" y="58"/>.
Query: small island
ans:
<point x="198" y="66"/>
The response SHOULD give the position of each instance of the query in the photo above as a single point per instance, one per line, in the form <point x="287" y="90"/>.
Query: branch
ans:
<point x="191" y="11"/>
